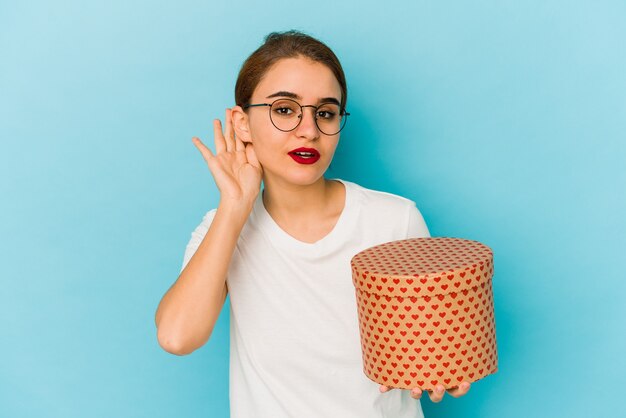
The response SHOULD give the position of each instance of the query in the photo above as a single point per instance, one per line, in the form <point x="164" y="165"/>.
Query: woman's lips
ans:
<point x="302" y="159"/>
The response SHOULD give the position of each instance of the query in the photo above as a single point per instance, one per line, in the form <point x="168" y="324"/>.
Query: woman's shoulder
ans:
<point x="389" y="211"/>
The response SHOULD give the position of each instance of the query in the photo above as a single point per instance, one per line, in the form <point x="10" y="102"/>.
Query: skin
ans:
<point x="436" y="395"/>
<point x="297" y="196"/>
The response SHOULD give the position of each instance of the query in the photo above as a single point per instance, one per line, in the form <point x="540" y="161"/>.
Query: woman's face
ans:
<point x="308" y="83"/>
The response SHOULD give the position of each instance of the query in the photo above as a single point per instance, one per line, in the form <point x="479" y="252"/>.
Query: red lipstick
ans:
<point x="305" y="155"/>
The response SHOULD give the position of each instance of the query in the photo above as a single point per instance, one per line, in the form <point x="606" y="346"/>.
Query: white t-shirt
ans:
<point x="295" y="348"/>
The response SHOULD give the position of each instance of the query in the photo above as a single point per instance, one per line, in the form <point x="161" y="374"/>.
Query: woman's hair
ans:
<point x="279" y="45"/>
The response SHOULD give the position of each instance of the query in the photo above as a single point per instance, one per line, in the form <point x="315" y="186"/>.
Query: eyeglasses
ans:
<point x="286" y="115"/>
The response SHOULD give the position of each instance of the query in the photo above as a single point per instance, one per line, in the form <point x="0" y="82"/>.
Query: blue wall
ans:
<point x="503" y="120"/>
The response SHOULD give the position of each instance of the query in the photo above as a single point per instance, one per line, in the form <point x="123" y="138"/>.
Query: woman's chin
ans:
<point x="299" y="179"/>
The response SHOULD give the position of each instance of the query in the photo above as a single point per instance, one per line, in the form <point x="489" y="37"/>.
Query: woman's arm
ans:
<point x="189" y="310"/>
<point x="187" y="313"/>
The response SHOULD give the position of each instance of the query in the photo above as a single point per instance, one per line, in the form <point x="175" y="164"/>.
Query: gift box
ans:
<point x="426" y="313"/>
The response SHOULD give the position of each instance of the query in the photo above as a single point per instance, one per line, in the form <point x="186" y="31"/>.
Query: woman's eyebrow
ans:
<point x="298" y="97"/>
<point x="285" y="94"/>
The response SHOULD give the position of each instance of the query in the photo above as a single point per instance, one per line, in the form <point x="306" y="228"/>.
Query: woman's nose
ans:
<point x="308" y="126"/>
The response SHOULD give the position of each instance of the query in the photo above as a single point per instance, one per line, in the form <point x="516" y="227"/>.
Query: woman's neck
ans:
<point x="296" y="204"/>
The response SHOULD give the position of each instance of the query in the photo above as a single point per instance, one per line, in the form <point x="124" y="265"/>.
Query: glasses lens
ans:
<point x="285" y="114"/>
<point x="329" y="118"/>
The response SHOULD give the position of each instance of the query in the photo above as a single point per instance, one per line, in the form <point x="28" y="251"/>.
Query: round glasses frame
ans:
<point x="342" y="112"/>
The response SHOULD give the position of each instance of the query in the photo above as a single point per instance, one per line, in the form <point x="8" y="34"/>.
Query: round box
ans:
<point x="425" y="308"/>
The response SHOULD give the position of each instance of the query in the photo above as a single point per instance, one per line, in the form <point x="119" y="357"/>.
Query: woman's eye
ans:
<point x="325" y="114"/>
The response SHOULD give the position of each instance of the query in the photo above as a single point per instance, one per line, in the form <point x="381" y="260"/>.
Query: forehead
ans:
<point x="309" y="79"/>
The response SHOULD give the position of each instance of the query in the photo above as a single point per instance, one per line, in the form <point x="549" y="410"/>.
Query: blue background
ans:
<point x="503" y="120"/>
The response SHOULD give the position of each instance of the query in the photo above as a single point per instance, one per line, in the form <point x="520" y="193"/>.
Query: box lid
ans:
<point x="422" y="267"/>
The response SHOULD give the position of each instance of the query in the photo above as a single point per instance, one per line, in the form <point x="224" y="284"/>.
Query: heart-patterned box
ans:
<point x="426" y="315"/>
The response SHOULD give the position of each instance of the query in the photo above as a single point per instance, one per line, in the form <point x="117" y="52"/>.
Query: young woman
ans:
<point x="283" y="252"/>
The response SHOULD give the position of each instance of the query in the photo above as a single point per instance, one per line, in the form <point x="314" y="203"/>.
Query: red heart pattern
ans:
<point x="426" y="315"/>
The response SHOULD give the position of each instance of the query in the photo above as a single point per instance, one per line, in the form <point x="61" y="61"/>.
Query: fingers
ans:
<point x="228" y="132"/>
<point x="230" y="128"/>
<point x="416" y="393"/>
<point x="460" y="391"/>
<point x="251" y="155"/>
<point x="239" y="145"/>
<point x="206" y="152"/>
<point x="437" y="394"/>
<point x="220" y="142"/>
<point x="226" y="141"/>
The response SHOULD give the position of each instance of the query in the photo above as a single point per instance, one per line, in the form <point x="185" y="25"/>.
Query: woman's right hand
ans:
<point x="235" y="167"/>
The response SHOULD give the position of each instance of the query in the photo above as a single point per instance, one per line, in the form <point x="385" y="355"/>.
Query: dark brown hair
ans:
<point x="279" y="45"/>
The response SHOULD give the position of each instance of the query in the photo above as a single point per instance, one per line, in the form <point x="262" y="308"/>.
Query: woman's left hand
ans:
<point x="437" y="394"/>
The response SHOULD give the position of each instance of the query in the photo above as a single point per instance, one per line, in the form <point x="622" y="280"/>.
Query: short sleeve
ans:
<point x="197" y="236"/>
<point x="416" y="226"/>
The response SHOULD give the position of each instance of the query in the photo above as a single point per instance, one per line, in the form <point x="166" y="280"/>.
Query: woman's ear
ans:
<point x="240" y="124"/>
